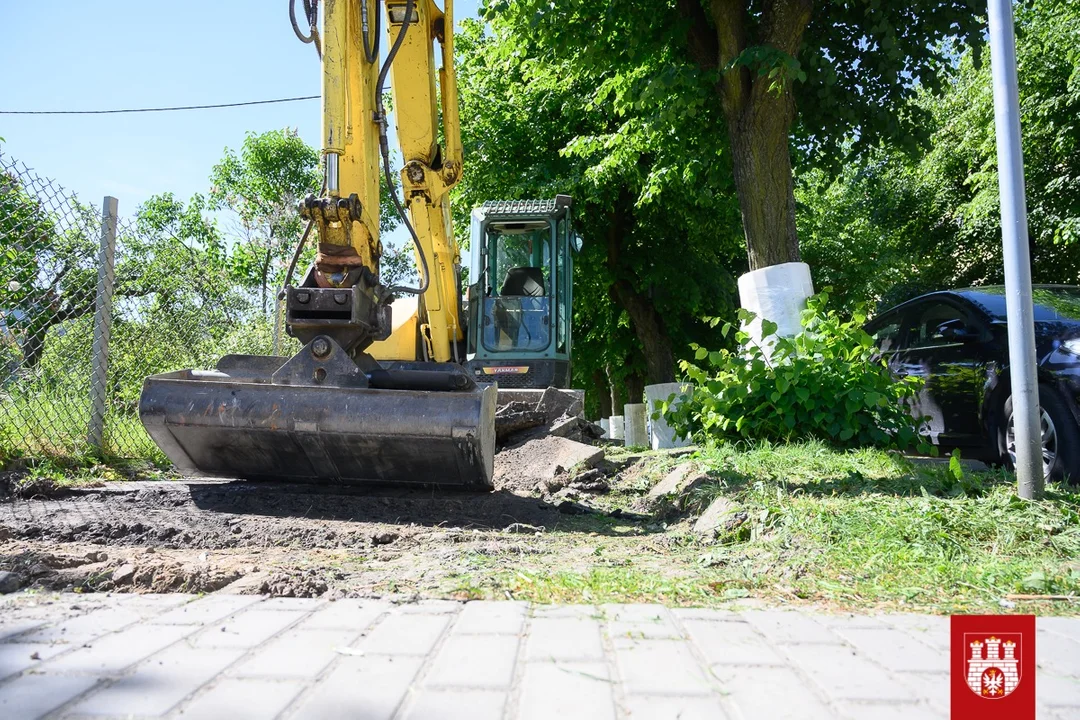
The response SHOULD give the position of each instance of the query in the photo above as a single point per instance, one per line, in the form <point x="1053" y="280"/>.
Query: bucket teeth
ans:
<point x="238" y="424"/>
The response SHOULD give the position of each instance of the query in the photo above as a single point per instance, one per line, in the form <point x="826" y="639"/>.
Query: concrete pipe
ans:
<point x="636" y="435"/>
<point x="661" y="435"/>
<point x="615" y="429"/>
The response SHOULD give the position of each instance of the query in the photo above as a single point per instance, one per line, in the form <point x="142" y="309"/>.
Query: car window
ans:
<point x="926" y="321"/>
<point x="887" y="337"/>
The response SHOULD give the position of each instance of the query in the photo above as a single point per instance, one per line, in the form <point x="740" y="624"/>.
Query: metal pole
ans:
<point x="99" y="368"/>
<point x="1014" y="240"/>
<point x="277" y="326"/>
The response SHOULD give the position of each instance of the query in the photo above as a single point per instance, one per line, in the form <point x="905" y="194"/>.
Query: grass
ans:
<point x="851" y="529"/>
<point x="47" y="476"/>
<point x="609" y="585"/>
<point x="54" y="427"/>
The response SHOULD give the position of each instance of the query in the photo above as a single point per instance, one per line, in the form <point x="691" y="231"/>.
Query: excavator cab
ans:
<point x="520" y="319"/>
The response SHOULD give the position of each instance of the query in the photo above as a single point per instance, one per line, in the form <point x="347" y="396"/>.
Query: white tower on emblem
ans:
<point x="995" y="675"/>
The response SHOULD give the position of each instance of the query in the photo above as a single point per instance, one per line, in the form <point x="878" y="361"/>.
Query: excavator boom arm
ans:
<point x="332" y="412"/>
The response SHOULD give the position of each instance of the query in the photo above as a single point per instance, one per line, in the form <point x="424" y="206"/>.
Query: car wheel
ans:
<point x="1060" y="437"/>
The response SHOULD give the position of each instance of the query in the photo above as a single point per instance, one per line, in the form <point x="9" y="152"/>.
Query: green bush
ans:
<point x="825" y="383"/>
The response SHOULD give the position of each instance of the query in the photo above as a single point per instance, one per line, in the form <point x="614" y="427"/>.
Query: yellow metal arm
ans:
<point x="350" y="147"/>
<point x="430" y="171"/>
<point x="349" y="227"/>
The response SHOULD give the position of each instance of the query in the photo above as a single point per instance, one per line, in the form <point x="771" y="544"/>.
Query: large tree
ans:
<point x="832" y="71"/>
<point x="657" y="242"/>
<point x="263" y="185"/>
<point x="894" y="224"/>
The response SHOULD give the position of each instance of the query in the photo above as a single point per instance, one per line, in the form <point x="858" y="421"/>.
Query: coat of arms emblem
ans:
<point x="992" y="665"/>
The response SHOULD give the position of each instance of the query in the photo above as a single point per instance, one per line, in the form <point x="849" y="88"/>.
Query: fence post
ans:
<point x="99" y="364"/>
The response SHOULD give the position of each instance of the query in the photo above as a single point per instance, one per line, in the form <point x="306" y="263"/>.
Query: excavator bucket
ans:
<point x="324" y="419"/>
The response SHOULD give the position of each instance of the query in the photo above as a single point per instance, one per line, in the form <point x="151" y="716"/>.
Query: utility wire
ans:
<point x="157" y="109"/>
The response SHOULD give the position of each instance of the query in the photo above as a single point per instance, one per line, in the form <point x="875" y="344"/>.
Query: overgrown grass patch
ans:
<point x="49" y="476"/>
<point x="867" y="526"/>
<point x="608" y="585"/>
<point x="52" y="424"/>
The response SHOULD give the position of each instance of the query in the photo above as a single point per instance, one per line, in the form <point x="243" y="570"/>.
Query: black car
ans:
<point x="957" y="341"/>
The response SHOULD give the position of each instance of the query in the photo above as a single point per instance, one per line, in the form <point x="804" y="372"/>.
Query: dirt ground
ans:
<point x="307" y="541"/>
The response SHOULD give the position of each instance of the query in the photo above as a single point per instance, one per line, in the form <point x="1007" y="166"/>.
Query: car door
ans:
<point x="944" y="343"/>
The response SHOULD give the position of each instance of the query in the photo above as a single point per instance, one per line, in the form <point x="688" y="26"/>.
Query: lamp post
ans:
<point x="1014" y="240"/>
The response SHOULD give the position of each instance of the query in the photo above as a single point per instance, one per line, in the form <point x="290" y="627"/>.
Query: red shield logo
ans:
<point x="993" y="666"/>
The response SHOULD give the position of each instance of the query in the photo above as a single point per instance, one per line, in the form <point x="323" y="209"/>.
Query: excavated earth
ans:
<point x="309" y="540"/>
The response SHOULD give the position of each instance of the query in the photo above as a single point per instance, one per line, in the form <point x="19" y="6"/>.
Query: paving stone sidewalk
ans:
<point x="237" y="656"/>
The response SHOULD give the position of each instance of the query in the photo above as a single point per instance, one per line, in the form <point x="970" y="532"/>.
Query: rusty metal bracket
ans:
<point x="323" y="362"/>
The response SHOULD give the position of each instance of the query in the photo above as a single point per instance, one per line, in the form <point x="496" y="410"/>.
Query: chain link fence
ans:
<point x="89" y="306"/>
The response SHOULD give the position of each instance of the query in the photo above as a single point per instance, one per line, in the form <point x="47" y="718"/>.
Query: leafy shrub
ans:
<point x="826" y="383"/>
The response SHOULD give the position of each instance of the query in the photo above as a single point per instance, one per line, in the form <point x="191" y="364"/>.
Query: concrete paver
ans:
<point x="841" y="672"/>
<point x="246" y="628"/>
<point x="250" y="657"/>
<point x="777" y="693"/>
<point x="344" y="615"/>
<point x="644" y="707"/>
<point x="33" y="696"/>
<point x="491" y="618"/>
<point x="405" y="634"/>
<point x="568" y="691"/>
<point x="564" y="638"/>
<point x="896" y="650"/>
<point x="889" y="711"/>
<point x="297" y="653"/>
<point x="731" y="643"/>
<point x="361" y="687"/>
<point x="158" y="684"/>
<point x="112" y="653"/>
<point x="658" y="667"/>
<point x="785" y="626"/>
<point x="456" y="705"/>
<point x="474" y="661"/>
<point x="244" y="699"/>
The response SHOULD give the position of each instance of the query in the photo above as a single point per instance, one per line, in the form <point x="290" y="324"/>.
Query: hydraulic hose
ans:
<point x="371" y="54"/>
<point x="311" y="13"/>
<point x="299" y="249"/>
<point x="371" y="48"/>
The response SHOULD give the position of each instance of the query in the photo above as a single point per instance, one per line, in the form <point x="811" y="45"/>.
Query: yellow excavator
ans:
<point x="381" y="391"/>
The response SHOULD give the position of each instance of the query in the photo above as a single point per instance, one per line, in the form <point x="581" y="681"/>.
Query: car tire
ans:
<point x="1062" y="425"/>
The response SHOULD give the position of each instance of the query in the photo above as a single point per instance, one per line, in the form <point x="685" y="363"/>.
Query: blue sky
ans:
<point x="77" y="55"/>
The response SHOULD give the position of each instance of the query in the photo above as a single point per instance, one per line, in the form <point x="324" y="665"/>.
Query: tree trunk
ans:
<point x="635" y="389"/>
<point x="32" y="349"/>
<point x="759" y="110"/>
<point x="265" y="273"/>
<point x="647" y="323"/>
<point x="603" y="393"/>
<point x="649" y="329"/>
<point x="764" y="182"/>
<point x="616" y="393"/>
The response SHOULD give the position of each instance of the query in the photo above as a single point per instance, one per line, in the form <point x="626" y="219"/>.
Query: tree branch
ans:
<point x="729" y="17"/>
<point x="783" y="23"/>
<point x="700" y="40"/>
